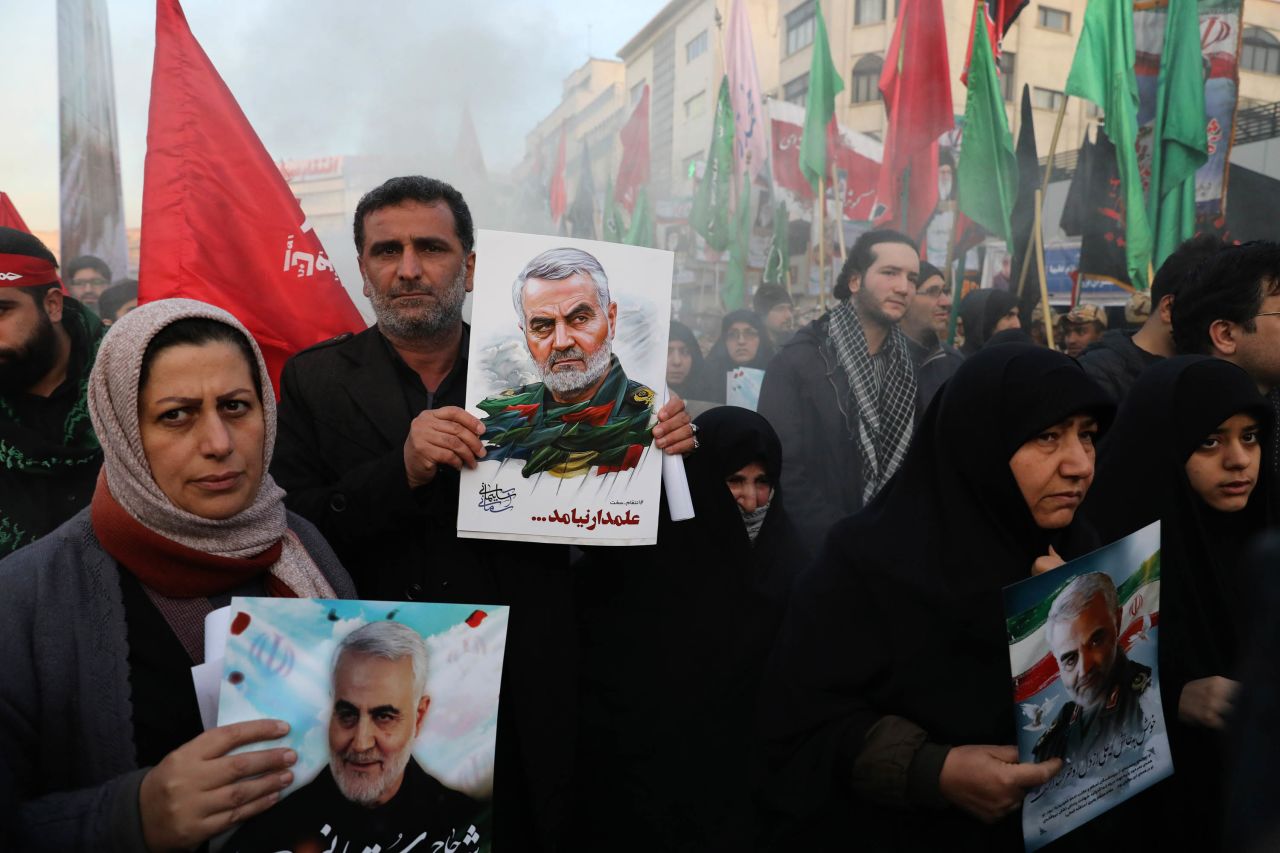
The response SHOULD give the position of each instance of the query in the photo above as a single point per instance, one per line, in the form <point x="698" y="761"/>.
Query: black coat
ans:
<point x="345" y="410"/>
<point x="806" y="397"/>
<point x="1115" y="362"/>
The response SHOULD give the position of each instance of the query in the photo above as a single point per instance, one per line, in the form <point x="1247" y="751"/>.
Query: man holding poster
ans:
<point x="585" y="413"/>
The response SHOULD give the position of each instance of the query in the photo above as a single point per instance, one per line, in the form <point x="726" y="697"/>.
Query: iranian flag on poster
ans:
<point x="1083" y="643"/>
<point x="856" y="158"/>
<point x="1220" y="23"/>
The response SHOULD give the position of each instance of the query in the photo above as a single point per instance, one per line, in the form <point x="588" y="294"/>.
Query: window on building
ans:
<point x="1007" y="63"/>
<point x="865" y="85"/>
<point x="1046" y="99"/>
<point x="1053" y="19"/>
<point x="869" y="11"/>
<point x="690" y="166"/>
<point x="1259" y="51"/>
<point x="797" y="90"/>
<point x="696" y="47"/>
<point x="801" y="26"/>
<point x="637" y="92"/>
<point x="1092" y="110"/>
<point x="696" y="105"/>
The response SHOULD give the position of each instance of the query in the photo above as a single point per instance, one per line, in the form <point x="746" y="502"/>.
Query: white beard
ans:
<point x="573" y="381"/>
<point x="368" y="790"/>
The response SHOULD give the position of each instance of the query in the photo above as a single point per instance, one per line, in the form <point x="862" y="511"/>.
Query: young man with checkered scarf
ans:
<point x="842" y="394"/>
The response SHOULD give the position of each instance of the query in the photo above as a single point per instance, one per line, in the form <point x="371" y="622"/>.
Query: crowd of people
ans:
<point x="826" y="673"/>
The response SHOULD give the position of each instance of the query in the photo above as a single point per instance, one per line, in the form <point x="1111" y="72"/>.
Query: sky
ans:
<point x="317" y="77"/>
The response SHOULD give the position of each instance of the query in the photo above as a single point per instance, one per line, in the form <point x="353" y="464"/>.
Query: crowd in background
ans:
<point x="826" y="673"/>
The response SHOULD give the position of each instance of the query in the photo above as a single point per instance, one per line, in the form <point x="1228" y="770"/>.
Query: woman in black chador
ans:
<point x="888" y="707"/>
<point x="1186" y="449"/>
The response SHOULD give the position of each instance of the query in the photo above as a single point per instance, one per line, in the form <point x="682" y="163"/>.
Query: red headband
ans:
<point x="26" y="271"/>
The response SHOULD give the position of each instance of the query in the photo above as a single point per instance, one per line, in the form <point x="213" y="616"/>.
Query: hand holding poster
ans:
<point x="1082" y="642"/>
<point x="392" y="709"/>
<point x="567" y="368"/>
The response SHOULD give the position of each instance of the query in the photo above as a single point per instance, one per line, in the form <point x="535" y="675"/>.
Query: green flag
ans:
<point x="778" y="259"/>
<point x="825" y="83"/>
<point x="1180" y="141"/>
<point x="987" y="174"/>
<point x="735" y="280"/>
<point x="641" y="231"/>
<point x="1102" y="72"/>
<point x="710" y="213"/>
<point x="613" y="226"/>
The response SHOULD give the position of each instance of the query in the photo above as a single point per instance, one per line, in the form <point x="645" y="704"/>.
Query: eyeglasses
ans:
<point x="743" y="335"/>
<point x="932" y="292"/>
<point x="1268" y="314"/>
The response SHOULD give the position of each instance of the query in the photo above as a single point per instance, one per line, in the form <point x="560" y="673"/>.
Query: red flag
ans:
<point x="220" y="223"/>
<point x="916" y="85"/>
<point x="9" y="216"/>
<point x="999" y="16"/>
<point x="633" y="171"/>
<point x="853" y="157"/>
<point x="559" y="195"/>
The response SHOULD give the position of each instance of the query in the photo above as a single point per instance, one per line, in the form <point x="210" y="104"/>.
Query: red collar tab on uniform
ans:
<point x="26" y="271"/>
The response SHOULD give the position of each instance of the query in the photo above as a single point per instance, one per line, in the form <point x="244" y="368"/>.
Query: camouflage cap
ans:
<point x="1037" y="316"/>
<point x="1138" y="308"/>
<point x="1086" y="313"/>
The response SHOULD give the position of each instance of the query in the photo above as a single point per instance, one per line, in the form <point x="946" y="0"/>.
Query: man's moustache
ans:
<point x="572" y="353"/>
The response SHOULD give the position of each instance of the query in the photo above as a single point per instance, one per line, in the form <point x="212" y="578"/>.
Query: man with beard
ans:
<point x="372" y="434"/>
<point x="1104" y="716"/>
<point x="373" y="792"/>
<point x="585" y="413"/>
<point x="49" y="456"/>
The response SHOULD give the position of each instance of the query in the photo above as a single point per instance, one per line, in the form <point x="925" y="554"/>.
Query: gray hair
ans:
<point x="392" y="641"/>
<point x="1076" y="595"/>
<point x="557" y="265"/>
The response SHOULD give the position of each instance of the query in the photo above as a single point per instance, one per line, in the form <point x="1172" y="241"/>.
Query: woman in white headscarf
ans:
<point x="103" y="618"/>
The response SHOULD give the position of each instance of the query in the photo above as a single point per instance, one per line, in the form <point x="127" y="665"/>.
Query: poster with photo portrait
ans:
<point x="566" y="371"/>
<point x="392" y="709"/>
<point x="1086" y="682"/>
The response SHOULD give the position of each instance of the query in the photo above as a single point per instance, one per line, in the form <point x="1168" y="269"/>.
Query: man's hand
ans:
<point x="444" y="436"/>
<point x="988" y="782"/>
<point x="199" y="791"/>
<point x="674" y="433"/>
<point x="1047" y="563"/>
<point x="1207" y="701"/>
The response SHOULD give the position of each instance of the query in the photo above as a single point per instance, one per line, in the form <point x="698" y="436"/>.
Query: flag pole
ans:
<point x="953" y="281"/>
<point x="822" y="242"/>
<point x="1044" y="190"/>
<point x="1038" y="243"/>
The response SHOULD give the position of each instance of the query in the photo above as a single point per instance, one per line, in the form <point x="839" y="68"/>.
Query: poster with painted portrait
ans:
<point x="1086" y="682"/>
<point x="567" y="372"/>
<point x="392" y="709"/>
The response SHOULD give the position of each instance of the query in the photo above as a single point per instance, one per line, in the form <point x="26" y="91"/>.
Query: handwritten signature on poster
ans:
<point x="589" y="520"/>
<point x="495" y="499"/>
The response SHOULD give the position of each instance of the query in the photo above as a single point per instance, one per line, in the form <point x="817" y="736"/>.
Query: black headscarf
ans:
<point x="675" y="638"/>
<point x="1204" y="598"/>
<point x="718" y="361"/>
<point x="694" y="387"/>
<point x="902" y="613"/>
<point x="981" y="310"/>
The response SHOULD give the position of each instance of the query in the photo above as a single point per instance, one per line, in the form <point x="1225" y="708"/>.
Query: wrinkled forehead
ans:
<point x="560" y="296"/>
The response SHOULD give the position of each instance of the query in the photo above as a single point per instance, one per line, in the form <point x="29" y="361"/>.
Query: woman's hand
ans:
<point x="1207" y="701"/>
<point x="674" y="433"/>
<point x="199" y="791"/>
<point x="1047" y="563"/>
<point x="988" y="782"/>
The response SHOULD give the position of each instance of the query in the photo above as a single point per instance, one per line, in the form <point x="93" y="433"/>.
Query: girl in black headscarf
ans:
<point x="675" y="638"/>
<point x="686" y="370"/>
<point x="984" y="313"/>
<point x="1187" y="449"/>
<point x="744" y="342"/>
<point x="891" y="683"/>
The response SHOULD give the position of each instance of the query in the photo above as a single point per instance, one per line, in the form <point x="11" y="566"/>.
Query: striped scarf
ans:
<point x="884" y="391"/>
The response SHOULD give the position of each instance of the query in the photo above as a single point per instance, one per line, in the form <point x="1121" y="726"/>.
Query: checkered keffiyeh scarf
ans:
<point x="884" y="419"/>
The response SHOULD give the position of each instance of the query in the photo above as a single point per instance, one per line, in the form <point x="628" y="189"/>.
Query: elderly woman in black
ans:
<point x="103" y="618"/>
<point x="888" y="708"/>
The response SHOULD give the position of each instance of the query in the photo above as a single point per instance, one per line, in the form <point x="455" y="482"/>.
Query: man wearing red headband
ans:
<point x="49" y="456"/>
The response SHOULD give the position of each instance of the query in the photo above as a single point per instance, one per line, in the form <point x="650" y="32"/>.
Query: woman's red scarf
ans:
<point x="171" y="569"/>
